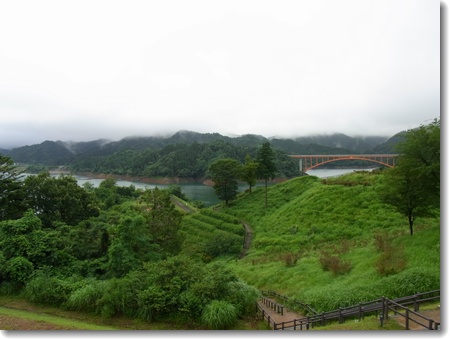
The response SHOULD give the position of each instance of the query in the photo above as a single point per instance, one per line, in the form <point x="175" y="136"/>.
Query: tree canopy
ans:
<point x="225" y="174"/>
<point x="266" y="165"/>
<point x="413" y="186"/>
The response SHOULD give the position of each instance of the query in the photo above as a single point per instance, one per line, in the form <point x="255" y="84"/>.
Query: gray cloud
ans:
<point x="279" y="68"/>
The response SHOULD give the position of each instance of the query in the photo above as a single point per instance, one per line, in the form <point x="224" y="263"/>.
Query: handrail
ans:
<point x="370" y="307"/>
<point x="387" y="306"/>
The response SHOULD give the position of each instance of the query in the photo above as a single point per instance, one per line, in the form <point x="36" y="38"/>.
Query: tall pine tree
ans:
<point x="266" y="165"/>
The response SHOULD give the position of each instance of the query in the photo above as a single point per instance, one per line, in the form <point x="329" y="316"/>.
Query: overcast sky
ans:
<point x="84" y="70"/>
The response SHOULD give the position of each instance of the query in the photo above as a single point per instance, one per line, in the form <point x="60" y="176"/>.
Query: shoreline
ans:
<point x="149" y="180"/>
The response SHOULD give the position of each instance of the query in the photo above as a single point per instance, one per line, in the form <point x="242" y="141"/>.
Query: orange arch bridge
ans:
<point x="308" y="162"/>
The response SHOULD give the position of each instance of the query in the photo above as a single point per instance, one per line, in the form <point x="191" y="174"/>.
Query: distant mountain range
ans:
<point x="61" y="152"/>
<point x="186" y="153"/>
<point x="55" y="153"/>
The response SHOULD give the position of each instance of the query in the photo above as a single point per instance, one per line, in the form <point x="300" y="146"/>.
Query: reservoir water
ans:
<point x="199" y="191"/>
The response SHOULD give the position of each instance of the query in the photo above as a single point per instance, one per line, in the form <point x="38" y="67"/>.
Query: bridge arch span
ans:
<point x="347" y="159"/>
<point x="307" y="162"/>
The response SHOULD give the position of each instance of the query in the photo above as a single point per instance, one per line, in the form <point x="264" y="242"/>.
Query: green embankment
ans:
<point x="209" y="234"/>
<point x="333" y="243"/>
<point x="62" y="322"/>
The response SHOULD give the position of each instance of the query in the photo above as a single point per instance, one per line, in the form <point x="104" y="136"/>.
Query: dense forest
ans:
<point x="114" y="251"/>
<point x="151" y="255"/>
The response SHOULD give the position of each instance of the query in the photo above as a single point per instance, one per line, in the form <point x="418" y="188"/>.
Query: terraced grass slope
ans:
<point x="209" y="234"/>
<point x="334" y="243"/>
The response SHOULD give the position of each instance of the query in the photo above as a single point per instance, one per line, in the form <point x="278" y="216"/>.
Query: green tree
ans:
<point x="11" y="193"/>
<point x="25" y="242"/>
<point x="107" y="193"/>
<point x="225" y="173"/>
<point x="413" y="186"/>
<point x="59" y="199"/>
<point x="132" y="245"/>
<point x="249" y="172"/>
<point x="163" y="220"/>
<point x="420" y="153"/>
<point x="266" y="165"/>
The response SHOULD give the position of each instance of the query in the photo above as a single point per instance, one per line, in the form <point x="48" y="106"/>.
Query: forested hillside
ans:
<point x="186" y="154"/>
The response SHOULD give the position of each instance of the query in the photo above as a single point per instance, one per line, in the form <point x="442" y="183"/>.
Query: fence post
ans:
<point x="407" y="318"/>
<point x="385" y="308"/>
<point x="307" y="325"/>
<point x="340" y="315"/>
<point x="382" y="311"/>
<point x="416" y="304"/>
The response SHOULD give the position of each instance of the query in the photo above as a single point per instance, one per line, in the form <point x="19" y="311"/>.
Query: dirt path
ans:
<point x="247" y="239"/>
<point x="183" y="206"/>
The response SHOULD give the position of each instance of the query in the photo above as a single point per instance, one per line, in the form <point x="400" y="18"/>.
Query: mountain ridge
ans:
<point x="57" y="153"/>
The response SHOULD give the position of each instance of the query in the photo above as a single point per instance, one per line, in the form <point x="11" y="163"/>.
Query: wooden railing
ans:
<point x="273" y="305"/>
<point x="292" y="302"/>
<point x="379" y="307"/>
<point x="266" y="316"/>
<point x="411" y="316"/>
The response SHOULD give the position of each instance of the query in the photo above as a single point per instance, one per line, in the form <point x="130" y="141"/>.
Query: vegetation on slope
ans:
<point x="333" y="243"/>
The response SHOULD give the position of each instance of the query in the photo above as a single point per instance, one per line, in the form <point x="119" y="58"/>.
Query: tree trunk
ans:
<point x="265" y="181"/>
<point x="411" y="223"/>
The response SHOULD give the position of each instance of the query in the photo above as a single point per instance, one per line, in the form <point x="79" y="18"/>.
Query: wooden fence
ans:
<point x="379" y="307"/>
<point x="296" y="304"/>
<point x="411" y="316"/>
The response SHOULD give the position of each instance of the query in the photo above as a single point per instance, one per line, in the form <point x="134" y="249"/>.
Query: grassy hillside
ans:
<point x="332" y="243"/>
<point x="209" y="234"/>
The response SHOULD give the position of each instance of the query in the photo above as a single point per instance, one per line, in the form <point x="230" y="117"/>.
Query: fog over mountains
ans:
<point x="59" y="152"/>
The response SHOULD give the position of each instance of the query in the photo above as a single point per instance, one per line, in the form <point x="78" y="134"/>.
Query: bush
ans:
<point x="392" y="259"/>
<point x="86" y="298"/>
<point x="331" y="262"/>
<point x="219" y="315"/>
<point x="223" y="243"/>
<point x="290" y="259"/>
<point x="50" y="290"/>
<point x="18" y="269"/>
<point x="242" y="296"/>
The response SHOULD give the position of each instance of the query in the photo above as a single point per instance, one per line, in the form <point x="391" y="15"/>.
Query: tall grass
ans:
<point x="310" y="218"/>
<point x="219" y="315"/>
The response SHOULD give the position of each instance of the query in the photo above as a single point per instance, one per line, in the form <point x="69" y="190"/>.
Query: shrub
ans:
<point x="18" y="269"/>
<point x="51" y="290"/>
<point x="392" y="259"/>
<point x="219" y="315"/>
<point x="86" y="298"/>
<point x="331" y="262"/>
<point x="334" y="264"/>
<point x="242" y="296"/>
<point x="290" y="259"/>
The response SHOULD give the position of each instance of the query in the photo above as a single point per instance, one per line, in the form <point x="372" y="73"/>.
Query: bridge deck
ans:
<point x="308" y="162"/>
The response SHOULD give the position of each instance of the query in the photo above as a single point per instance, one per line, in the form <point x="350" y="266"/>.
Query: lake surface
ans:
<point x="202" y="192"/>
